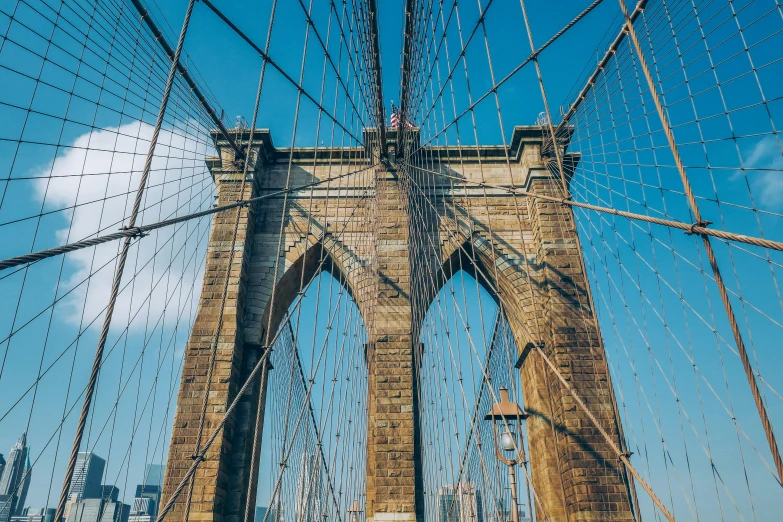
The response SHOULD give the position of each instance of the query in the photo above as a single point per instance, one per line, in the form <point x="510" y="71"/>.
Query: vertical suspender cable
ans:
<point x="724" y="295"/>
<point x="90" y="390"/>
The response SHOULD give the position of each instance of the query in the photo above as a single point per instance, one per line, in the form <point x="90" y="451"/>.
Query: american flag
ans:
<point x="395" y="117"/>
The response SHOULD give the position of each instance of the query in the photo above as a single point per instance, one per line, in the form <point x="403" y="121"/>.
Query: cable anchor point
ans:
<point x="701" y="224"/>
<point x="135" y="231"/>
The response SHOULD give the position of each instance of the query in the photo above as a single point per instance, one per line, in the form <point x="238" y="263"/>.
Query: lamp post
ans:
<point x="506" y="416"/>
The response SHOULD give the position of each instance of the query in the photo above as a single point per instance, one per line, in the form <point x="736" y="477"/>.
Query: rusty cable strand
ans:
<point x="724" y="295"/>
<point x="141" y="231"/>
<point x="97" y="360"/>
<point x="621" y="455"/>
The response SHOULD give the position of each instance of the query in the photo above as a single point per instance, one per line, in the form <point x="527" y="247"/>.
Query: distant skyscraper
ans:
<point x="276" y="511"/>
<point x="109" y="492"/>
<point x="99" y="510"/>
<point x="142" y="510"/>
<point x="5" y="508"/>
<point x="309" y="490"/>
<point x="146" y="503"/>
<point x="15" y="480"/>
<point x="460" y="503"/>
<point x="31" y="514"/>
<point x="502" y="513"/>
<point x="260" y="514"/>
<point x="154" y="474"/>
<point x="87" y="475"/>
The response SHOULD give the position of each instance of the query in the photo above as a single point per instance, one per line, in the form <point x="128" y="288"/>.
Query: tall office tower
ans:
<point x="109" y="492"/>
<point x="154" y="474"/>
<point x="15" y="480"/>
<point x="5" y="508"/>
<point x="309" y="490"/>
<point x="2" y="464"/>
<point x="142" y="510"/>
<point x="87" y="475"/>
<point x="276" y="511"/>
<point x="31" y="514"/>
<point x="99" y="510"/>
<point x="460" y="502"/>
<point x="260" y="514"/>
<point x="150" y="497"/>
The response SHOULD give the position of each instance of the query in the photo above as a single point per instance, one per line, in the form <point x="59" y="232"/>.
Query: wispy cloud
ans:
<point x="111" y="161"/>
<point x="767" y="185"/>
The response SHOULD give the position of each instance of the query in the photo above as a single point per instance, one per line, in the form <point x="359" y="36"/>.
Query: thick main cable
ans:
<point x="141" y="230"/>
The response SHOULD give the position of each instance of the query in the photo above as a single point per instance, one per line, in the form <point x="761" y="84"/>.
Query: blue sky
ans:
<point x="649" y="285"/>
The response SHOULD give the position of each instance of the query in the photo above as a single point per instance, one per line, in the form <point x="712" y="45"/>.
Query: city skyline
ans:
<point x="460" y="502"/>
<point x="309" y="490"/>
<point x="15" y="480"/>
<point x="89" y="499"/>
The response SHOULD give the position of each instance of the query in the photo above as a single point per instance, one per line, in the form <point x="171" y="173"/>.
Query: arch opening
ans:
<point x="468" y="353"/>
<point x="296" y="281"/>
<point x="313" y="450"/>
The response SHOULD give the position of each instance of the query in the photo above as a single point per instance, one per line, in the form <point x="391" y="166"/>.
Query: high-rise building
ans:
<point x="260" y="514"/>
<point x="5" y="508"/>
<point x="15" y="480"/>
<point x="309" y="490"/>
<point x="502" y="513"/>
<point x="154" y="474"/>
<point x="99" y="510"/>
<point x="146" y="503"/>
<point x="460" y="502"/>
<point x="142" y="510"/>
<point x="151" y="492"/>
<point x="31" y="514"/>
<point x="276" y="511"/>
<point x="109" y="492"/>
<point x="87" y="476"/>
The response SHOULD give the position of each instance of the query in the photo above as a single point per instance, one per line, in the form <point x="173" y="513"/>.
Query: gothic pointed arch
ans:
<point x="300" y="263"/>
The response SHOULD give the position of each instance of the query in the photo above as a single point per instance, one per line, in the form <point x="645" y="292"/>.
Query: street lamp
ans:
<point x="355" y="512"/>
<point x="506" y="416"/>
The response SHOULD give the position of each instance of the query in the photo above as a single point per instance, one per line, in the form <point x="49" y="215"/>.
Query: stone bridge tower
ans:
<point x="525" y="247"/>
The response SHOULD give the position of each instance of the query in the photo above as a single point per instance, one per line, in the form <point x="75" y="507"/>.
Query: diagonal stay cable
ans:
<point x="508" y="76"/>
<point x="610" y="52"/>
<point x="261" y="363"/>
<point x="274" y="64"/>
<point x="161" y="39"/>
<point x="119" y="271"/>
<point x="142" y="230"/>
<point x="752" y="383"/>
<point x="688" y="228"/>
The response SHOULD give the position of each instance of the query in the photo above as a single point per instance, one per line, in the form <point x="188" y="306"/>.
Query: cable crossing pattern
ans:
<point x="541" y="287"/>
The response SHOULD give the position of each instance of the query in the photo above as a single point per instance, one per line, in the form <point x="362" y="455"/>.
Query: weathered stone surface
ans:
<point x="393" y="243"/>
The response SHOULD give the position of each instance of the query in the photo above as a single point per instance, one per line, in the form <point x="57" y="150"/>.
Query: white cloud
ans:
<point x="111" y="160"/>
<point x="767" y="185"/>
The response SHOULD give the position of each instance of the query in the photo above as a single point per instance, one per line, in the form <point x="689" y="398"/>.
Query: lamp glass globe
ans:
<point x="508" y="441"/>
